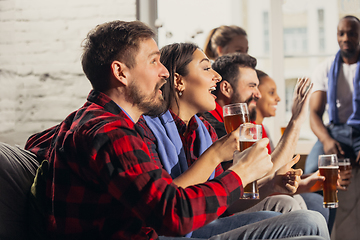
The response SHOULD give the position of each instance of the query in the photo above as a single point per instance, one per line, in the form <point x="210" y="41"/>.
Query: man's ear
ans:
<point x="120" y="72"/>
<point x="226" y="89"/>
<point x="179" y="82"/>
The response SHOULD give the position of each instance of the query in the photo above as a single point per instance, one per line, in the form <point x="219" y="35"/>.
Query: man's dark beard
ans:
<point x="155" y="111"/>
<point x="252" y="112"/>
<point x="348" y="54"/>
<point x="252" y="115"/>
<point x="236" y="98"/>
<point x="147" y="105"/>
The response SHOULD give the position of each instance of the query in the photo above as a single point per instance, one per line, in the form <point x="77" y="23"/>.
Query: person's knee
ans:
<point x="314" y="201"/>
<point x="269" y="214"/>
<point x="282" y="203"/>
<point x="313" y="221"/>
<point x="311" y="216"/>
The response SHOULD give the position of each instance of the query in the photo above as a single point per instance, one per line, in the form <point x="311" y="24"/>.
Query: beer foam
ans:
<point x="247" y="140"/>
<point x="329" y="167"/>
<point x="344" y="164"/>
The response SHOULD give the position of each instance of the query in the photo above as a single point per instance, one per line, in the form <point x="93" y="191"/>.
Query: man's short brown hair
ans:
<point x="116" y="40"/>
<point x="228" y="67"/>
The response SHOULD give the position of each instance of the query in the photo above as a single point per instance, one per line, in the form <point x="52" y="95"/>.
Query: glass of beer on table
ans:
<point x="328" y="166"/>
<point x="249" y="134"/>
<point x="234" y="115"/>
<point x="344" y="167"/>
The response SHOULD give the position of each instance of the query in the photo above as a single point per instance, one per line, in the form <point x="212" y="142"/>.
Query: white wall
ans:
<point x="183" y="18"/>
<point x="41" y="80"/>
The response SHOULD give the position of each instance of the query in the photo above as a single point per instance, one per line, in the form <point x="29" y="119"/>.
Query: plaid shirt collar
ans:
<point x="181" y="125"/>
<point x="109" y="105"/>
<point x="105" y="101"/>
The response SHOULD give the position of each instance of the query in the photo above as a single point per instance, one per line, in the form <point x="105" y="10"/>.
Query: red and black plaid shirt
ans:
<point x="102" y="183"/>
<point x="189" y="139"/>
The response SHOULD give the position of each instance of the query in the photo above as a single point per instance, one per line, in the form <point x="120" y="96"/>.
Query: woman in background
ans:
<point x="226" y="39"/>
<point x="266" y="107"/>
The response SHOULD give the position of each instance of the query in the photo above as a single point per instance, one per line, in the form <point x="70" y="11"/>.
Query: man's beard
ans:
<point x="348" y="53"/>
<point x="150" y="105"/>
<point x="252" y="112"/>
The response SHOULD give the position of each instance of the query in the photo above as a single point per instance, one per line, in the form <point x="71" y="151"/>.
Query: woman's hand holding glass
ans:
<point x="226" y="146"/>
<point x="252" y="163"/>
<point x="250" y="134"/>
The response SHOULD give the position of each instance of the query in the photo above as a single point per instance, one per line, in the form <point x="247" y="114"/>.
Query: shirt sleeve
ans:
<point x="320" y="75"/>
<point x="139" y="184"/>
<point x="39" y="143"/>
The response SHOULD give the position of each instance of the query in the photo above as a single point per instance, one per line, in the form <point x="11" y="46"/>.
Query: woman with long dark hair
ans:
<point x="185" y="145"/>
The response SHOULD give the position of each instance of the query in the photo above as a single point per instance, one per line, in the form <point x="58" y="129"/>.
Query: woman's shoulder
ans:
<point x="210" y="128"/>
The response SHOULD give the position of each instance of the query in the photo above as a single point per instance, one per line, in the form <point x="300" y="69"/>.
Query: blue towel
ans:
<point x="170" y="148"/>
<point x="354" y="119"/>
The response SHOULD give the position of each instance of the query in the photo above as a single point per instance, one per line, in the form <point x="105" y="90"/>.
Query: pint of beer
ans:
<point x="328" y="166"/>
<point x="234" y="115"/>
<point x="344" y="166"/>
<point x="249" y="134"/>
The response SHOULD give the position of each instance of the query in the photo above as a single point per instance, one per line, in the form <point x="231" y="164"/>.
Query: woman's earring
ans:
<point x="180" y="93"/>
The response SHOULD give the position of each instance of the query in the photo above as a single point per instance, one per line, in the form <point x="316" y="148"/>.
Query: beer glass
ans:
<point x="283" y="126"/>
<point x="234" y="115"/>
<point x="282" y="129"/>
<point x="249" y="134"/>
<point x="328" y="166"/>
<point x="344" y="165"/>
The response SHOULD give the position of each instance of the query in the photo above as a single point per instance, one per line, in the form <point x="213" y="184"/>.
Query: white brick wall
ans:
<point x="41" y="80"/>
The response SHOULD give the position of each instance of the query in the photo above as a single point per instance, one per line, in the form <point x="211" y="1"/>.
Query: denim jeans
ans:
<point x="349" y="139"/>
<point x="314" y="201"/>
<point x="347" y="136"/>
<point x="301" y="224"/>
<point x="226" y="224"/>
<point x="292" y="238"/>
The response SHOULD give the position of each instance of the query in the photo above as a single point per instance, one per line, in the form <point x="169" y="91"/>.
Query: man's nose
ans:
<point x="164" y="72"/>
<point x="257" y="93"/>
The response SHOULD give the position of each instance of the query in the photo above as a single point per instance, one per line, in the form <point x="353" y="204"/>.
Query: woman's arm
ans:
<point x="200" y="171"/>
<point x="282" y="154"/>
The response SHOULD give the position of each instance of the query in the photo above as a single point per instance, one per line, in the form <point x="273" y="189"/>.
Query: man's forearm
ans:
<point x="318" y="127"/>
<point x="200" y="171"/>
<point x="317" y="107"/>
